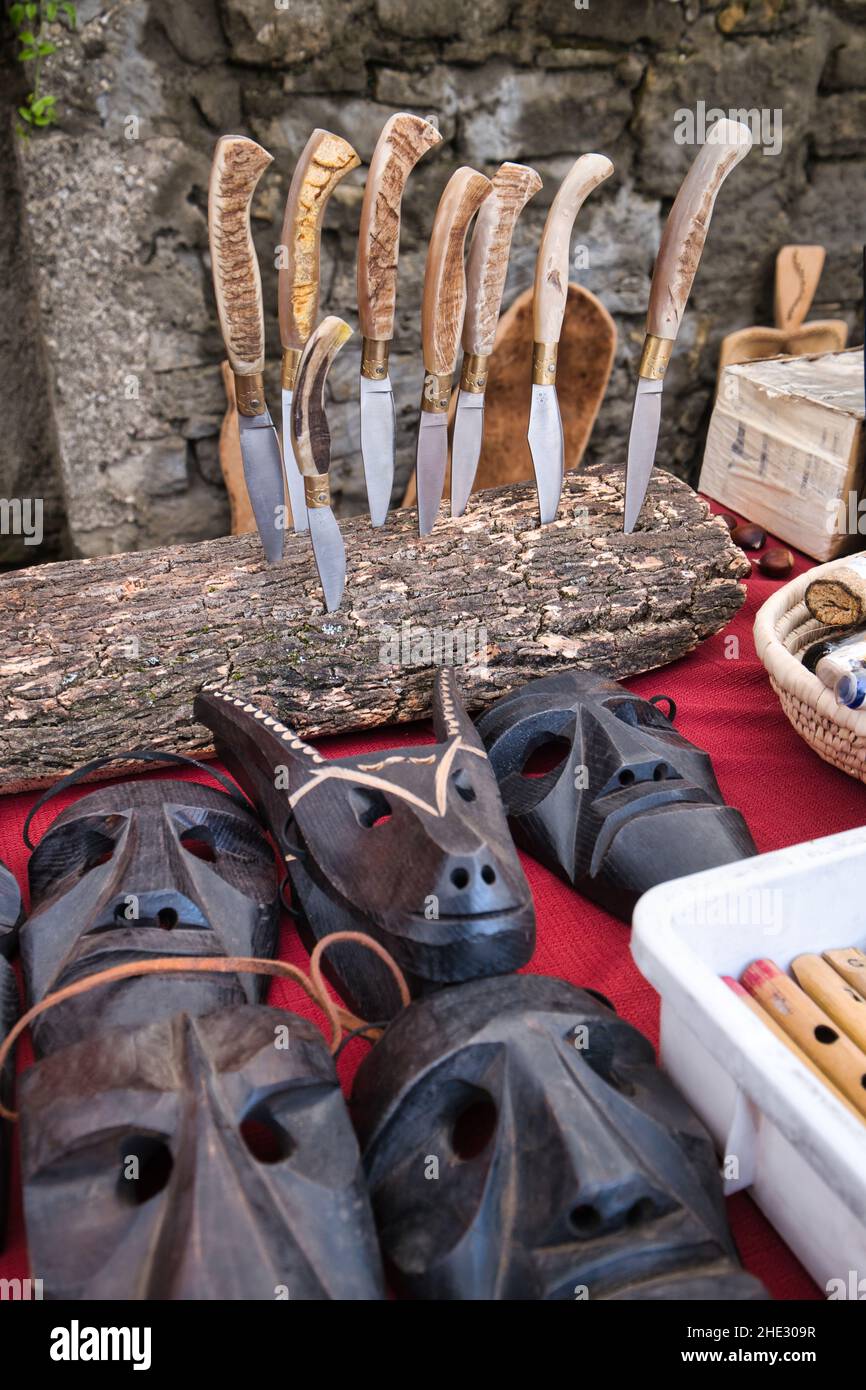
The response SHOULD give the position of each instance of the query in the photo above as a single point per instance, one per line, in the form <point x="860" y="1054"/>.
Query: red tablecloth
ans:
<point x="786" y="793"/>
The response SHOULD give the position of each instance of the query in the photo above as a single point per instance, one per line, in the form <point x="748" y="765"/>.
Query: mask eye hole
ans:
<point x="462" y="785"/>
<point x="265" y="1139"/>
<point x="474" y="1126"/>
<point x="370" y="806"/>
<point x="198" y="841"/>
<point x="146" y="1166"/>
<point x="546" y="757"/>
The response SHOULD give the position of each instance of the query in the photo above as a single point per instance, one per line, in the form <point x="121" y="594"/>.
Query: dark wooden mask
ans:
<point x="602" y="789"/>
<point x="410" y="845"/>
<point x="196" y="1158"/>
<point x="11" y="912"/>
<point x="520" y="1143"/>
<point x="138" y="870"/>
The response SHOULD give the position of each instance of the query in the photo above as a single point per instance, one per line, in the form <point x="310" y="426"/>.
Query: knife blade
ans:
<point x="512" y="187"/>
<point x="442" y="310"/>
<point x="238" y="164"/>
<point x="546" y="443"/>
<point x="404" y="139"/>
<point x="676" y="266"/>
<point x="311" y="444"/>
<point x="324" y="161"/>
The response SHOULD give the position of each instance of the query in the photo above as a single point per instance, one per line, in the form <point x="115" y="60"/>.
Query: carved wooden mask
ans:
<point x="411" y="846"/>
<point x="520" y="1143"/>
<point x="140" y="870"/>
<point x="196" y="1158"/>
<point x="10" y="918"/>
<point x="600" y="787"/>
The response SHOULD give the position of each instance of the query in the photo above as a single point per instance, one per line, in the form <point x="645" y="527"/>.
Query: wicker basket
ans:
<point x="783" y="628"/>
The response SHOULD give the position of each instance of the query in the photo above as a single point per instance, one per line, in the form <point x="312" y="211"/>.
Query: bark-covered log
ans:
<point x="106" y="654"/>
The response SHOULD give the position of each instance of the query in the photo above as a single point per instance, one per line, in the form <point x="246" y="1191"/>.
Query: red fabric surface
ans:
<point x="786" y="793"/>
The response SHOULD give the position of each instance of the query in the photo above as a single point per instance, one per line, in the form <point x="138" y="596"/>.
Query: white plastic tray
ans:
<point x="799" y="1151"/>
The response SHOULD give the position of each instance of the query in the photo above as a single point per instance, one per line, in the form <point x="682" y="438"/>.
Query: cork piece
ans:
<point x="513" y="186"/>
<point x="324" y="161"/>
<point x="403" y="141"/>
<point x="839" y="600"/>
<point x="444" y="300"/>
<point x="238" y="164"/>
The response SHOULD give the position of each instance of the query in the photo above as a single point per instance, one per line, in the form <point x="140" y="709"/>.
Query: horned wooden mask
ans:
<point x="520" y="1143"/>
<point x="600" y="787"/>
<point x="196" y="1158"/>
<point x="138" y="870"/>
<point x="411" y="846"/>
<point x="10" y="917"/>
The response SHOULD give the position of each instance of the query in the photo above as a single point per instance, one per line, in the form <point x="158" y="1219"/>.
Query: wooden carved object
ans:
<point x="552" y="264"/>
<point x="242" y="519"/>
<point x="410" y="846"/>
<point x="444" y="300"/>
<point x="324" y="161"/>
<point x="587" y="348"/>
<point x="567" y="1165"/>
<point x="137" y="871"/>
<point x="512" y="187"/>
<point x="109" y="651"/>
<point x="798" y="270"/>
<point x="196" y="1158"/>
<point x="11" y="912"/>
<point x="601" y="788"/>
<point x="311" y="438"/>
<point x="403" y="141"/>
<point x="238" y="164"/>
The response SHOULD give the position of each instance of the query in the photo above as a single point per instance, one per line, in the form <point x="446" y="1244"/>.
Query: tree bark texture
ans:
<point x="106" y="654"/>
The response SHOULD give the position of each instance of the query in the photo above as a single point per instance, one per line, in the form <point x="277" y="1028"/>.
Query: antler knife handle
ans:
<point x="688" y="223"/>
<point x="551" y="266"/>
<point x="512" y="187"/>
<point x="325" y="160"/>
<point x="444" y="300"/>
<point x="404" y="139"/>
<point x="238" y="164"/>
<point x="311" y="438"/>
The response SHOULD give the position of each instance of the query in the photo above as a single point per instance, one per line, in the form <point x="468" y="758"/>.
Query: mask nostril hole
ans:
<point x="640" y="1212"/>
<point x="585" y="1219"/>
<point x="166" y="918"/>
<point x="660" y="772"/>
<point x="488" y="873"/>
<point x="459" y="877"/>
<point x="626" y="777"/>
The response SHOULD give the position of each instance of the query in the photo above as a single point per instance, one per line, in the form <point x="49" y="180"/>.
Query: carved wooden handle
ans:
<point x="551" y="267"/>
<point x="688" y="223"/>
<point x="325" y="159"/>
<point x="512" y="186"/>
<point x="798" y="270"/>
<point x="404" y="139"/>
<point x="444" y="300"/>
<point x="311" y="438"/>
<point x="238" y="164"/>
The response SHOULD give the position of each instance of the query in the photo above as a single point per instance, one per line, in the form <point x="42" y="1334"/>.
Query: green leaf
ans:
<point x="25" y="115"/>
<point x="45" y="49"/>
<point x="51" y="11"/>
<point x="26" y="36"/>
<point x="16" y="15"/>
<point x="71" y="13"/>
<point x="31" y="11"/>
<point x="46" y="119"/>
<point x="43" y="105"/>
<point x="27" y="55"/>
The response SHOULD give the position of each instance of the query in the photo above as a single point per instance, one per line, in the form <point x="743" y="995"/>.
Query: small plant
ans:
<point x="29" y="21"/>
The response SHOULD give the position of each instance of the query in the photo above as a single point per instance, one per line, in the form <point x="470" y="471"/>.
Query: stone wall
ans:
<point x="111" y="375"/>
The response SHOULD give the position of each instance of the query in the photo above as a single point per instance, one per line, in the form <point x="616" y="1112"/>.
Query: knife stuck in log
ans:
<point x="512" y="187"/>
<point x="546" y="442"/>
<point x="676" y="266"/>
<point x="442" y="310"/>
<point x="404" y="139"/>
<point x="311" y="443"/>
<point x="324" y="161"/>
<point x="238" y="164"/>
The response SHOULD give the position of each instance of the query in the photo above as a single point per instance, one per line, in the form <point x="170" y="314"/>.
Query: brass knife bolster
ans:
<point x="250" y="394"/>
<point x="473" y="375"/>
<point x="655" y="357"/>
<point x="437" y="392"/>
<point x="374" y="358"/>
<point x="317" y="491"/>
<point x="291" y="358"/>
<point x="544" y="363"/>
